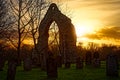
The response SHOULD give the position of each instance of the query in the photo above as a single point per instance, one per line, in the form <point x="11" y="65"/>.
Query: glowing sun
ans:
<point x="86" y="27"/>
<point x="82" y="30"/>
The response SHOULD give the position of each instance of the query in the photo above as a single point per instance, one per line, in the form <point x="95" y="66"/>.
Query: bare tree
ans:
<point x="36" y="13"/>
<point x="19" y="9"/>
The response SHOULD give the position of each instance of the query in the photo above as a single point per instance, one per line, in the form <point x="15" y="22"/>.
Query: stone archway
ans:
<point x="67" y="35"/>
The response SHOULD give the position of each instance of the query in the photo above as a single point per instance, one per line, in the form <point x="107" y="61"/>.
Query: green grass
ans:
<point x="87" y="73"/>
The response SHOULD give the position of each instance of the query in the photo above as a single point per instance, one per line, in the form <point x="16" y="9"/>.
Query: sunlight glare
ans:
<point x="86" y="27"/>
<point x="83" y="29"/>
<point x="28" y="41"/>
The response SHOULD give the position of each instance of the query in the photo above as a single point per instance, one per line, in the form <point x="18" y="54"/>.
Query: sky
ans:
<point x="95" y="20"/>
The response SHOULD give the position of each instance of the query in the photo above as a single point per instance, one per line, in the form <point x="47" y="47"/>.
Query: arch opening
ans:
<point x="53" y="39"/>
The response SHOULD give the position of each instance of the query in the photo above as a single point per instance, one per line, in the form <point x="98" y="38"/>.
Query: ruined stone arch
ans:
<point x="67" y="35"/>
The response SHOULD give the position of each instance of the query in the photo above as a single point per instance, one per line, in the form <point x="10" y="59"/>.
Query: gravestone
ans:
<point x="79" y="63"/>
<point x="112" y="65"/>
<point x="35" y="62"/>
<point x="2" y="61"/>
<point x="96" y="63"/>
<point x="59" y="61"/>
<point x="11" y="69"/>
<point x="96" y="55"/>
<point x="67" y="65"/>
<point x="96" y="60"/>
<point x="88" y="59"/>
<point x="27" y="64"/>
<point x="51" y="67"/>
<point x="19" y="61"/>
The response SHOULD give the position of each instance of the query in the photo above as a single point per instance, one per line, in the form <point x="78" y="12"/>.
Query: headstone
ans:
<point x="2" y="62"/>
<point x="59" y="61"/>
<point x="112" y="65"/>
<point x="19" y="61"/>
<point x="96" y="60"/>
<point x="88" y="59"/>
<point x="79" y="63"/>
<point x="67" y="65"/>
<point x="96" y="55"/>
<point x="96" y="63"/>
<point x="11" y="69"/>
<point x="35" y="62"/>
<point x="51" y="67"/>
<point x="27" y="64"/>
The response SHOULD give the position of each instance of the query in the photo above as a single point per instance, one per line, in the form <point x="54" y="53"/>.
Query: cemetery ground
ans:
<point x="87" y="73"/>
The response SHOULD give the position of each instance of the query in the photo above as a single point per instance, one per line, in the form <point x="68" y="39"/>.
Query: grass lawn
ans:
<point x="87" y="73"/>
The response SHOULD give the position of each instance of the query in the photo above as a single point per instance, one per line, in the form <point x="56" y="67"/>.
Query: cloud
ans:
<point x="107" y="32"/>
<point x="113" y="20"/>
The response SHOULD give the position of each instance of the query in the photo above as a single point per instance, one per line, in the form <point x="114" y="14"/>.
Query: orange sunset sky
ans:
<point x="94" y="20"/>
